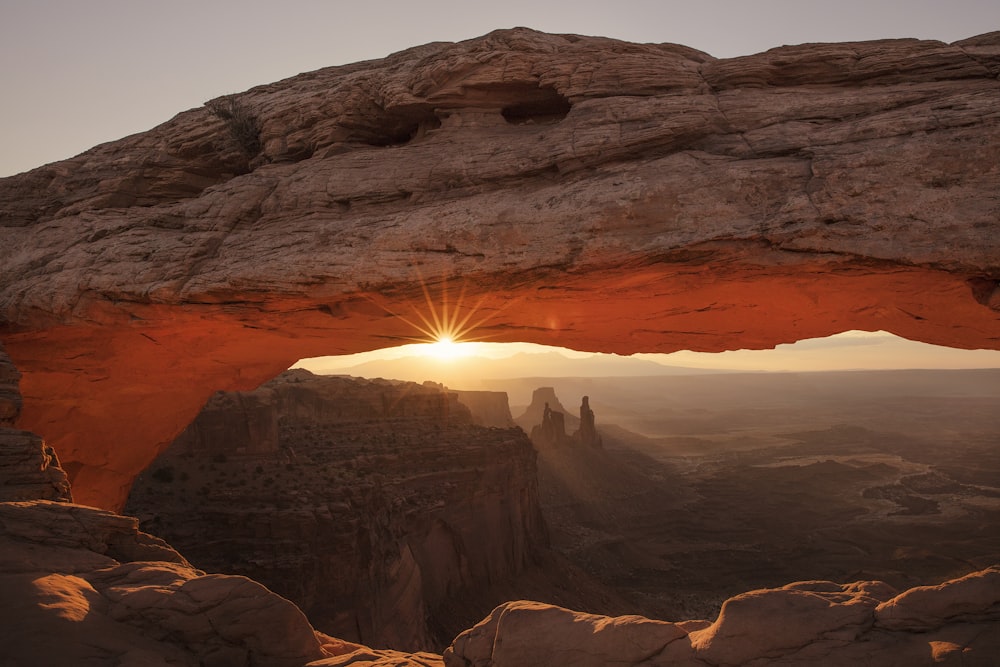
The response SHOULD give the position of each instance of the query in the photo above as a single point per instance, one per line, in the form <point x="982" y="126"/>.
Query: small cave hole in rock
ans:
<point x="604" y="478"/>
<point x="401" y="126"/>
<point x="540" y="105"/>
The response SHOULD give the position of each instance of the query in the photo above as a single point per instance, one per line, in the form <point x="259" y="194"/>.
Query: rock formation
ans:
<point x="84" y="586"/>
<point x="547" y="421"/>
<point x="578" y="191"/>
<point x="587" y="436"/>
<point x="10" y="394"/>
<point x="393" y="524"/>
<point x="534" y="414"/>
<point x="488" y="408"/>
<point x="807" y="623"/>
<point x="551" y="432"/>
<point x="29" y="469"/>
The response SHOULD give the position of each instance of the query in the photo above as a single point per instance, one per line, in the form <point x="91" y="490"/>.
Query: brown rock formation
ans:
<point x="84" y="586"/>
<point x="376" y="506"/>
<point x="808" y="623"/>
<point x="29" y="469"/>
<point x="551" y="432"/>
<point x="592" y="193"/>
<point x="548" y="422"/>
<point x="488" y="408"/>
<point x="10" y="395"/>
<point x="534" y="414"/>
<point x="587" y="435"/>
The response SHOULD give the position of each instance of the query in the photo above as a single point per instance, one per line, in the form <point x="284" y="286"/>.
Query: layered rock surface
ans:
<point x="376" y="506"/>
<point x="29" y="469"/>
<point x="84" y="586"/>
<point x="582" y="191"/>
<point x="806" y="623"/>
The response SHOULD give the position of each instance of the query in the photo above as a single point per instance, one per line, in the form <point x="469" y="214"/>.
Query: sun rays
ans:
<point x="447" y="329"/>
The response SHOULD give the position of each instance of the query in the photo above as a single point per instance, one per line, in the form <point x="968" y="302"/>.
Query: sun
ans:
<point x="446" y="348"/>
<point x="446" y="326"/>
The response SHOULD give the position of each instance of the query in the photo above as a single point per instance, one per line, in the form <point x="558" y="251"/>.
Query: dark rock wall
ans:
<point x="377" y="507"/>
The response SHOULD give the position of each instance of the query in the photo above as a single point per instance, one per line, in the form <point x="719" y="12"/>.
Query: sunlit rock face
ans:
<point x="805" y="623"/>
<point x="581" y="191"/>
<point x="85" y="586"/>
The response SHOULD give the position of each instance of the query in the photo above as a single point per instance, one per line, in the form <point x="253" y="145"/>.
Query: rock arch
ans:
<point x="668" y="201"/>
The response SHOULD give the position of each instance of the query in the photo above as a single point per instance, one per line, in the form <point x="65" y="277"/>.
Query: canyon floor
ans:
<point x="712" y="485"/>
<point x="706" y="486"/>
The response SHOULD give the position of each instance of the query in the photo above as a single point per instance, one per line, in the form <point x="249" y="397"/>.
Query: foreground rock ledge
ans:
<point x="577" y="191"/>
<point x="806" y="623"/>
<point x="84" y="586"/>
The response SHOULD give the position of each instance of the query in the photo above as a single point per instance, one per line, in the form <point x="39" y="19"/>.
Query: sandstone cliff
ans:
<point x="488" y="408"/>
<point x="29" y="468"/>
<point x="376" y="506"/>
<point x="582" y="191"/>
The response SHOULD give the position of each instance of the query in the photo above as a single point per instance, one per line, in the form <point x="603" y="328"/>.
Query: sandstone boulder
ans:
<point x="529" y="633"/>
<point x="84" y="586"/>
<point x="973" y="597"/>
<point x="772" y="623"/>
<point x="806" y="623"/>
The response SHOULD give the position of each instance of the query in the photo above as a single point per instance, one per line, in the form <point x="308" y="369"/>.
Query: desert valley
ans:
<point x="174" y="491"/>
<point x="396" y="514"/>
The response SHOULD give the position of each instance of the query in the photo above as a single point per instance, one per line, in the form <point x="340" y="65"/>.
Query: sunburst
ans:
<point x="447" y="329"/>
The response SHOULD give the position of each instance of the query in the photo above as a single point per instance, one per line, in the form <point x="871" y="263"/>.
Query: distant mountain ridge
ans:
<point x="466" y="373"/>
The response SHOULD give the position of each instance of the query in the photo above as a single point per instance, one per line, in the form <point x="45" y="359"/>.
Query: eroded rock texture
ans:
<point x="805" y="623"/>
<point x="29" y="468"/>
<point x="577" y="191"/>
<point x="376" y="506"/>
<point x="84" y="586"/>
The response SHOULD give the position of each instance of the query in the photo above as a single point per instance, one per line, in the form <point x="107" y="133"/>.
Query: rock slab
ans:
<point x="85" y="586"/>
<point x="805" y="623"/>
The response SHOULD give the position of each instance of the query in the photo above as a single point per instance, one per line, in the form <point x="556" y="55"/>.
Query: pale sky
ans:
<point x="81" y="72"/>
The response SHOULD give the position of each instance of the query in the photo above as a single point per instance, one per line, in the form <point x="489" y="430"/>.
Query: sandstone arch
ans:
<point x="648" y="198"/>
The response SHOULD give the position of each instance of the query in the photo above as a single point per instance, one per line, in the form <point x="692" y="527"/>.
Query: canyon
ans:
<point x="379" y="508"/>
<point x="556" y="189"/>
<point x="707" y="486"/>
<point x="86" y="585"/>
